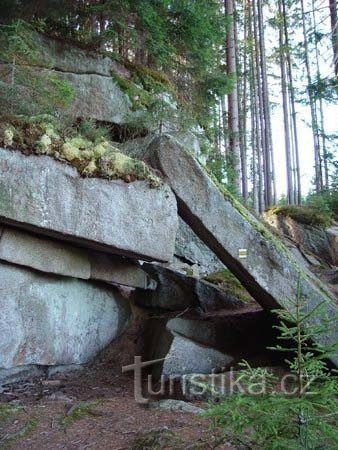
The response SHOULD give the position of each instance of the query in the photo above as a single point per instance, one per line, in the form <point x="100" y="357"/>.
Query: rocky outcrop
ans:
<point x="129" y="219"/>
<point x="268" y="270"/>
<point x="51" y="320"/>
<point x="60" y="258"/>
<point x="319" y="241"/>
<point x="177" y="291"/>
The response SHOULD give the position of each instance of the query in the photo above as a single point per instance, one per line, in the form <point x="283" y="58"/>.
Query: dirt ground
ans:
<point x="95" y="409"/>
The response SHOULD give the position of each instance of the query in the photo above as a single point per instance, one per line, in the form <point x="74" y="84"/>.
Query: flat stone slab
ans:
<point x="46" y="196"/>
<point x="268" y="270"/>
<point x="60" y="258"/>
<point x="47" y="320"/>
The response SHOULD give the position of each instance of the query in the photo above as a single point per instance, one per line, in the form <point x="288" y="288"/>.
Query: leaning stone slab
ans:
<point x="47" y="320"/>
<point x="129" y="219"/>
<point x="269" y="272"/>
<point x="189" y="247"/>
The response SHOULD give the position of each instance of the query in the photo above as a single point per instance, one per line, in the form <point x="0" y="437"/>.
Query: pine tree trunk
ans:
<point x="233" y="115"/>
<point x="334" y="33"/>
<point x="315" y="134"/>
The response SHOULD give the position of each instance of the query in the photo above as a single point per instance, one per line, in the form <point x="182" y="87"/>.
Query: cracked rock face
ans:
<point x="50" y="320"/>
<point x="129" y="219"/>
<point x="269" y="272"/>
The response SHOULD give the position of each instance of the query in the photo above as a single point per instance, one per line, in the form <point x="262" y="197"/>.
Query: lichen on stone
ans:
<point x="8" y="136"/>
<point x="92" y="158"/>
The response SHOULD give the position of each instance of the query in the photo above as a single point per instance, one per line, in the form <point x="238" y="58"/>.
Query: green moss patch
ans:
<point x="303" y="214"/>
<point x="97" y="157"/>
<point x="227" y="282"/>
<point x="81" y="411"/>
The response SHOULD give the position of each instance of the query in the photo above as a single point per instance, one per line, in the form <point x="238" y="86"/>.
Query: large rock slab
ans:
<point x="186" y="356"/>
<point x="60" y="258"/>
<point x="96" y="97"/>
<point x="130" y="219"/>
<point x="189" y="247"/>
<point x="49" y="320"/>
<point x="269" y="272"/>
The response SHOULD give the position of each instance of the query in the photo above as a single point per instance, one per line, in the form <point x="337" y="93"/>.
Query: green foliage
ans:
<point x="7" y="412"/>
<point x="185" y="39"/>
<point x="325" y="203"/>
<point x="273" y="422"/>
<point x="308" y="215"/>
<point x="28" y="90"/>
<point x="278" y="418"/>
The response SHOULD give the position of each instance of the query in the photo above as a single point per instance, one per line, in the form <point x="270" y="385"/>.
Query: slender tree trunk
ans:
<point x="315" y="134"/>
<point x="334" y="33"/>
<point x="233" y="116"/>
<point x="266" y="109"/>
<point x="282" y="64"/>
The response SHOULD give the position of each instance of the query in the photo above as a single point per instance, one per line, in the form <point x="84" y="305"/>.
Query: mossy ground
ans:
<point x="227" y="282"/>
<point x="93" y="154"/>
<point x="81" y="411"/>
<point x="306" y="215"/>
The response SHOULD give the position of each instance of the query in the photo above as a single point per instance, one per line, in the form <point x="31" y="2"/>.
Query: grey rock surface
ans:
<point x="318" y="241"/>
<point x="97" y="97"/>
<point x="60" y="258"/>
<point x="44" y="195"/>
<point x="49" y="320"/>
<point x="189" y="247"/>
<point x="177" y="291"/>
<point x="186" y="356"/>
<point x="241" y="334"/>
<point x="269" y="272"/>
<point x="176" y="405"/>
<point x="46" y="255"/>
<point x="332" y="234"/>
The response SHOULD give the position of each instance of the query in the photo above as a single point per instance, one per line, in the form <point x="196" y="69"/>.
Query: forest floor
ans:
<point x="95" y="409"/>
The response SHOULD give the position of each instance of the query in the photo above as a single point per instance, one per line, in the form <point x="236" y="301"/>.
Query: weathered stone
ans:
<point x="97" y="97"/>
<point x="176" y="405"/>
<point x="130" y="219"/>
<point x="186" y="356"/>
<point x="60" y="258"/>
<point x="189" y="247"/>
<point x="332" y="234"/>
<point x="114" y="269"/>
<point x="239" y="334"/>
<point x="43" y="254"/>
<point x="49" y="320"/>
<point x="176" y="291"/>
<point x="269" y="272"/>
<point x="60" y="56"/>
<point x="321" y="242"/>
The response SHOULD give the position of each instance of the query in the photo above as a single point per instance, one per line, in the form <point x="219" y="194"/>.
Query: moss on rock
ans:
<point x="306" y="215"/>
<point x="99" y="158"/>
<point x="227" y="282"/>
